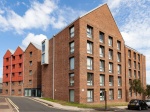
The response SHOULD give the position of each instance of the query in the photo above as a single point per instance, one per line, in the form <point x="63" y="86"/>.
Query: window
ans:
<point x="30" y="54"/>
<point x="13" y="83"/>
<point x="138" y="57"/>
<point x="20" y="82"/>
<point x="111" y="81"/>
<point x="72" y="31"/>
<point x="20" y="73"/>
<point x="71" y="95"/>
<point x="7" y="59"/>
<point x="110" y="41"/>
<point x="6" y="67"/>
<point x="130" y="75"/>
<point x="43" y="46"/>
<point x="119" y="81"/>
<point x="102" y="65"/>
<point x="30" y="72"/>
<point x="43" y="57"/>
<point x="6" y="91"/>
<point x="89" y="31"/>
<point x="30" y="81"/>
<point x="13" y="74"/>
<point x="139" y="74"/>
<point x="101" y="51"/>
<point x="101" y="37"/>
<point x="134" y="74"/>
<point x="129" y="53"/>
<point x="20" y="56"/>
<point x="102" y="94"/>
<point x="111" y="94"/>
<point x="119" y="93"/>
<point x="71" y="79"/>
<point x="89" y="95"/>
<point x="72" y="47"/>
<point x="89" y="47"/>
<point x="110" y="67"/>
<point x="129" y="63"/>
<point x="102" y="80"/>
<point x="19" y="91"/>
<point x="110" y="54"/>
<point x="13" y="58"/>
<point x="134" y="64"/>
<point x="134" y="55"/>
<point x="12" y="92"/>
<point x="119" y="69"/>
<point x="118" y="45"/>
<point x="89" y="63"/>
<point x="6" y="75"/>
<point x="139" y="66"/>
<point x="130" y="82"/>
<point x="20" y="65"/>
<point x="89" y="79"/>
<point x="119" y="57"/>
<point x="130" y="93"/>
<point x="30" y="62"/>
<point x="6" y="83"/>
<point x="72" y="63"/>
<point x="13" y="66"/>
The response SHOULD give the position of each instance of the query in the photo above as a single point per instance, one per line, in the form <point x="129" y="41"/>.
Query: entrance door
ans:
<point x="71" y="95"/>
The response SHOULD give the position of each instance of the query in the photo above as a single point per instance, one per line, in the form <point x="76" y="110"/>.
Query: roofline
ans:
<point x="133" y="49"/>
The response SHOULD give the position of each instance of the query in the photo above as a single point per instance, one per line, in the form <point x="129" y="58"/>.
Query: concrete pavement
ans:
<point x="5" y="106"/>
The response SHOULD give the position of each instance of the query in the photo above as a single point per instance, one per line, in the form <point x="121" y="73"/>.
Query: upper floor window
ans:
<point x="119" y="69"/>
<point x="13" y="57"/>
<point x="111" y="94"/>
<point x="20" y="73"/>
<point x="119" y="81"/>
<point x="72" y="63"/>
<point x="130" y="75"/>
<point x="72" y="47"/>
<point x="101" y="37"/>
<point x="30" y="54"/>
<point x="102" y="65"/>
<point x="102" y="80"/>
<point x="71" y="79"/>
<point x="119" y="57"/>
<point x="110" y="67"/>
<point x="89" y="31"/>
<point x="129" y="63"/>
<point x="43" y="46"/>
<point x="110" y="54"/>
<point x="13" y="66"/>
<point x="134" y="55"/>
<point x="101" y="51"/>
<point x="129" y="53"/>
<point x="138" y="57"/>
<point x="20" y="82"/>
<point x="20" y="65"/>
<point x="118" y="45"/>
<point x="110" y="41"/>
<point x="89" y="79"/>
<point x="134" y="74"/>
<point x="139" y="74"/>
<point x="89" y="63"/>
<point x="71" y="31"/>
<point x="30" y="72"/>
<point x="139" y="66"/>
<point x="6" y="67"/>
<point x="111" y="81"/>
<point x="7" y="59"/>
<point x="13" y="74"/>
<point x="30" y="62"/>
<point x="134" y="64"/>
<point x="20" y="56"/>
<point x="30" y="81"/>
<point x="6" y="75"/>
<point x="43" y="57"/>
<point x="89" y="47"/>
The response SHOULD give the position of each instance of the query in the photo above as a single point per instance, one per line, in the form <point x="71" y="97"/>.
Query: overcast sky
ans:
<point x="23" y="21"/>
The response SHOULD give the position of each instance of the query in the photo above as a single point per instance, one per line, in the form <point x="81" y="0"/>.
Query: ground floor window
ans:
<point x="12" y="91"/>
<point x="90" y="95"/>
<point x="119" y="93"/>
<point x="111" y="94"/>
<point x="19" y="91"/>
<point x="71" y="95"/>
<point x="102" y="94"/>
<point x="34" y="92"/>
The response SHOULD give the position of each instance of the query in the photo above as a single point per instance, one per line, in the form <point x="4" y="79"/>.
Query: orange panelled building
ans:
<point x="13" y="72"/>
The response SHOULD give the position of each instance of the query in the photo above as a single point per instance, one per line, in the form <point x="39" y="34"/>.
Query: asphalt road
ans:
<point x="28" y="105"/>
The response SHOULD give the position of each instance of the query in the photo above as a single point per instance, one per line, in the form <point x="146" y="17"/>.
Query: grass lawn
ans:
<point x="86" y="105"/>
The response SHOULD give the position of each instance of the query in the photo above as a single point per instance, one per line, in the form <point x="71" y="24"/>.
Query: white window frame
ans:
<point x="72" y="47"/>
<point x="110" y="67"/>
<point x="118" y="45"/>
<point x="90" y="95"/>
<point x="71" y="30"/>
<point x="102" y="80"/>
<point x="119" y="81"/>
<point x="119" y="57"/>
<point x="89" y="79"/>
<point x="89" y="47"/>
<point x="119" y="69"/>
<point x="71" y="79"/>
<point x="89" y="63"/>
<point x="72" y="63"/>
<point x="89" y="31"/>
<point x="110" y="41"/>
<point x="111" y="80"/>
<point x="101" y="37"/>
<point x="102" y="65"/>
<point x="101" y="51"/>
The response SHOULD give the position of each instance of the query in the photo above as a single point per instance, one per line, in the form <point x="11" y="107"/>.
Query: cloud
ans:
<point x="37" y="39"/>
<point x="38" y="16"/>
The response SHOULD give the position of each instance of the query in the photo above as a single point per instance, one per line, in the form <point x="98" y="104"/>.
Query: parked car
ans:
<point x="137" y="104"/>
<point x="148" y="102"/>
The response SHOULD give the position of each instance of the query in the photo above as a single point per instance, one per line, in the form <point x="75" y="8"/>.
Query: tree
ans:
<point x="136" y="86"/>
<point x="147" y="91"/>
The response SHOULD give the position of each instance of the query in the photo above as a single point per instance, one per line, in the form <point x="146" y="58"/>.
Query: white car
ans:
<point x="148" y="102"/>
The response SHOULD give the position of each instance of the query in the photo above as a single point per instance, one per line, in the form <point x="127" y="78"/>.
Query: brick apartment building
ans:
<point x="89" y="57"/>
<point x="13" y="72"/>
<point x="32" y="71"/>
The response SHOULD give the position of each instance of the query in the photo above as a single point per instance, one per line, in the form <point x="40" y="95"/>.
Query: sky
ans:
<point x="25" y="21"/>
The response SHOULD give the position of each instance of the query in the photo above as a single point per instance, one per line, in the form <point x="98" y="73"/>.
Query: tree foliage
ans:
<point x="148" y="91"/>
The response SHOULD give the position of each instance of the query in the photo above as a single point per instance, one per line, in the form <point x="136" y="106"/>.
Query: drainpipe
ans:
<point x="53" y="66"/>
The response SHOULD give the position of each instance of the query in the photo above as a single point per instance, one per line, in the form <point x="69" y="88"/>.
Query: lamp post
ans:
<point x="105" y="99"/>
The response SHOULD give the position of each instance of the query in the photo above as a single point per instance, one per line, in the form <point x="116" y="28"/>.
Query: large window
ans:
<point x="119" y="69"/>
<point x="119" y="93"/>
<point x="110" y="67"/>
<point x="102" y="94"/>
<point x="89" y="31"/>
<point x="119" y="57"/>
<point x="89" y="79"/>
<point x="111" y="81"/>
<point x="101" y="51"/>
<point x="89" y="63"/>
<point x="102" y="80"/>
<point x="110" y="54"/>
<point x="72" y="47"/>
<point x="71" y="30"/>
<point x="90" y="95"/>
<point x="111" y="94"/>
<point x="89" y="47"/>
<point x="101" y="37"/>
<point x="71" y="79"/>
<point x="119" y="81"/>
<point x="110" y="41"/>
<point x="118" y="45"/>
<point x="72" y="63"/>
<point x="102" y="65"/>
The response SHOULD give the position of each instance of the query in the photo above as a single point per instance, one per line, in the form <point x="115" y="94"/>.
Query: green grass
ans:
<point x="86" y="105"/>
